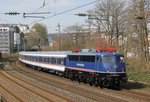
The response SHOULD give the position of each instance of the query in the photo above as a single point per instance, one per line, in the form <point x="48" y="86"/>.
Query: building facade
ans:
<point x="6" y="38"/>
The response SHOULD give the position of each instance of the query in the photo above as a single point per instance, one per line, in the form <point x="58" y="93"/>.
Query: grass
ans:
<point x="12" y="55"/>
<point x="138" y="75"/>
<point x="138" y="72"/>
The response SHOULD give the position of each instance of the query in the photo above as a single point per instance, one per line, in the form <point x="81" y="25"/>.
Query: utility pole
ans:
<point x="59" y="42"/>
<point x="145" y="32"/>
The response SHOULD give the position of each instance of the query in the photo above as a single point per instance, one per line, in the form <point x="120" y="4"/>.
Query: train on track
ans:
<point x="102" y="69"/>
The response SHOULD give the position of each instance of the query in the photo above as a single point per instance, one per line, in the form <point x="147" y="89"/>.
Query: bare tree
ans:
<point x="109" y="15"/>
<point x="78" y="35"/>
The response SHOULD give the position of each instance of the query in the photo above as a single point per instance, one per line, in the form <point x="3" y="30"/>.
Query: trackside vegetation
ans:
<point x="137" y="71"/>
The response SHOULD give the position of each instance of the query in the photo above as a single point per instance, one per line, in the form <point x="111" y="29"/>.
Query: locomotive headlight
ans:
<point x="115" y="66"/>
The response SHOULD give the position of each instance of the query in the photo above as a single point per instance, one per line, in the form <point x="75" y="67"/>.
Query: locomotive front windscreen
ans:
<point x="108" y="59"/>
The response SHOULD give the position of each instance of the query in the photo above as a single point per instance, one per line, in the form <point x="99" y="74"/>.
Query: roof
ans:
<point x="95" y="53"/>
<point x="45" y="54"/>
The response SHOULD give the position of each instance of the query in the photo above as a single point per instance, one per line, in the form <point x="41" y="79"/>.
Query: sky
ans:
<point x="52" y="6"/>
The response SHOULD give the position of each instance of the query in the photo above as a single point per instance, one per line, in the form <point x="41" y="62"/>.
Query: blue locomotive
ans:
<point x="102" y="69"/>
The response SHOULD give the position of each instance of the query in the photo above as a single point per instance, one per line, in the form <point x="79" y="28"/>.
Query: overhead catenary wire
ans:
<point x="44" y="4"/>
<point x="64" y="12"/>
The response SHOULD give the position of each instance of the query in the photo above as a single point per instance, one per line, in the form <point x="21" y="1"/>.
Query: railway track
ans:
<point x="47" y="96"/>
<point x="9" y="94"/>
<point x="95" y="96"/>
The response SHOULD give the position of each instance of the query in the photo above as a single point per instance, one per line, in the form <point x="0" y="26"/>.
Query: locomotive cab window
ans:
<point x="99" y="59"/>
<point x="120" y="59"/>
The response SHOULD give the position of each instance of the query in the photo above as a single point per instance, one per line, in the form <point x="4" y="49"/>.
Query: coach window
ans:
<point x="53" y="60"/>
<point x="40" y="59"/>
<point x="43" y="59"/>
<point x="47" y="60"/>
<point x="57" y="60"/>
<point x="34" y="59"/>
<point x="28" y="58"/>
<point x="62" y="61"/>
<point x="50" y="60"/>
<point x="37" y="59"/>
